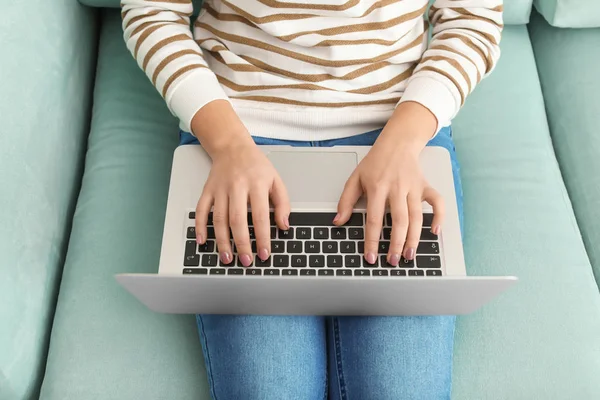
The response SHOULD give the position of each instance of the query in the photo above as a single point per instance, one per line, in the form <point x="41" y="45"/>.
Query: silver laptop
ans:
<point x="315" y="268"/>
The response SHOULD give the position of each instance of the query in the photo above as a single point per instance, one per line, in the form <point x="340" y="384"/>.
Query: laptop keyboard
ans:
<point x="313" y="247"/>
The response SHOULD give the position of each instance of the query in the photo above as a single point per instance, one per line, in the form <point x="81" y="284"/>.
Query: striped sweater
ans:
<point x="314" y="69"/>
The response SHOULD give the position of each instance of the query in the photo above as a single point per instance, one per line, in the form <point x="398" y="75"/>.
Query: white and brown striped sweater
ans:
<point x="314" y="69"/>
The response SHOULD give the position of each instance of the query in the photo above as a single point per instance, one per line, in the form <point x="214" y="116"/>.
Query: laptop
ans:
<point x="315" y="268"/>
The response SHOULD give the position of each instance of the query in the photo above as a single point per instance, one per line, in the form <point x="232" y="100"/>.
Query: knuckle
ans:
<point x="219" y="217"/>
<point x="374" y="220"/>
<point x="371" y="242"/>
<point x="237" y="218"/>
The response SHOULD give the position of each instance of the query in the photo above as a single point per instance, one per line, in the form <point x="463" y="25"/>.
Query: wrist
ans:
<point x="411" y="126"/>
<point x="219" y="129"/>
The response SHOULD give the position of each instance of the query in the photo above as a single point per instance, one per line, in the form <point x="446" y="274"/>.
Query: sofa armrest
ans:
<point x="46" y="78"/>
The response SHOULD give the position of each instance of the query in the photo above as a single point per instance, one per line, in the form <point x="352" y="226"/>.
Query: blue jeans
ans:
<point x="355" y="358"/>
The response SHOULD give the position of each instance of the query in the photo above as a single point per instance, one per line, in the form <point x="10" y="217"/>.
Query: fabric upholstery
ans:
<point x="568" y="61"/>
<point x="46" y="92"/>
<point x="570" y="13"/>
<point x="515" y="11"/>
<point x="540" y="335"/>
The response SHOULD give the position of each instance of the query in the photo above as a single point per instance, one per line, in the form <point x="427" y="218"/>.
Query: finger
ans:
<point x="202" y="209"/>
<point x="415" y="222"/>
<point x="221" y="224"/>
<point x="259" y="203"/>
<point x="350" y="195"/>
<point x="436" y="201"/>
<point x="238" y="220"/>
<point x="399" y="209"/>
<point x="281" y="203"/>
<point x="375" y="210"/>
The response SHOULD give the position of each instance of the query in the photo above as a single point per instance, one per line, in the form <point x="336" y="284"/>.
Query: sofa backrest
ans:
<point x="516" y="12"/>
<point x="570" y="13"/>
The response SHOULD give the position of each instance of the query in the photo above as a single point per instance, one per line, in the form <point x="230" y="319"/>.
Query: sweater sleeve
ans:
<point x="158" y="35"/>
<point x="464" y="48"/>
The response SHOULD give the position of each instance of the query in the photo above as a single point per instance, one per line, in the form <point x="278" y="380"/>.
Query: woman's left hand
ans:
<point x="391" y="174"/>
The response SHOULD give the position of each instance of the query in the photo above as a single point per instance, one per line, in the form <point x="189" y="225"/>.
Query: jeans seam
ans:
<point x="338" y="358"/>
<point x="209" y="373"/>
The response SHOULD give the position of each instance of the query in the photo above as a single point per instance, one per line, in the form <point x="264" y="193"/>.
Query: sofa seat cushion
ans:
<point x="569" y="13"/>
<point x="107" y="345"/>
<point x="568" y="61"/>
<point x="516" y="12"/>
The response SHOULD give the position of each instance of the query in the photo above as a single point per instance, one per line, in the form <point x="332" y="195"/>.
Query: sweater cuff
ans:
<point x="433" y="95"/>
<point x="193" y="93"/>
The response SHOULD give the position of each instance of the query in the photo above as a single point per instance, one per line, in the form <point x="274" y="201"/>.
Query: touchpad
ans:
<point x="311" y="176"/>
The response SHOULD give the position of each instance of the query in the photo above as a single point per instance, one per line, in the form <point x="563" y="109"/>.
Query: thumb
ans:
<point x="350" y="195"/>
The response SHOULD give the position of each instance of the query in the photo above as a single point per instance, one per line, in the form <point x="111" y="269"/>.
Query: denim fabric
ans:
<point x="336" y="358"/>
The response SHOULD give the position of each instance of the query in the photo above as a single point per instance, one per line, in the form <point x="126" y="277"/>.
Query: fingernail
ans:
<point x="371" y="258"/>
<point x="246" y="260"/>
<point x="263" y="254"/>
<point x="394" y="259"/>
<point x="226" y="257"/>
<point x="436" y="230"/>
<point x="409" y="253"/>
<point x="199" y="238"/>
<point x="336" y="219"/>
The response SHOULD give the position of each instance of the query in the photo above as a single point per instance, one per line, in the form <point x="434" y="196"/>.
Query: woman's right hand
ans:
<point x="241" y="175"/>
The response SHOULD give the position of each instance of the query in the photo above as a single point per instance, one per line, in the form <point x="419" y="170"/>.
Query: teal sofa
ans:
<point x="85" y="150"/>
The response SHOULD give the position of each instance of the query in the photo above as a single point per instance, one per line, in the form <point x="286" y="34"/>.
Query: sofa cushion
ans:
<point x="514" y="348"/>
<point x="516" y="12"/>
<point x="568" y="61"/>
<point x="44" y="111"/>
<point x="569" y="13"/>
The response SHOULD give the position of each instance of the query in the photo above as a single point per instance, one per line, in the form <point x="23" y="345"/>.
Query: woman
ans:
<point x="318" y="73"/>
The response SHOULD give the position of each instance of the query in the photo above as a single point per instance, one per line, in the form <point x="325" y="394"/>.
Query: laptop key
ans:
<point x="190" y="248"/>
<point x="308" y="272"/>
<point x="253" y="246"/>
<point x="347" y="247"/>
<point x="338" y="233"/>
<point x="191" y="261"/>
<point x="207" y="247"/>
<point x="192" y="215"/>
<point x="260" y="263"/>
<point x="404" y="263"/>
<point x="426" y="234"/>
<point x="273" y="232"/>
<point x="294" y="247"/>
<point x="398" y="272"/>
<point x="367" y="265"/>
<point x="322" y="219"/>
<point x="253" y="271"/>
<point x="380" y="272"/>
<point x="210" y="233"/>
<point x="388" y="219"/>
<point x="356" y="233"/>
<point x="325" y="272"/>
<point x="428" y="248"/>
<point x="289" y="234"/>
<point x="361" y="247"/>
<point x="384" y="247"/>
<point x="209" y="260"/>
<point x="191" y="232"/>
<point x="330" y="247"/>
<point x="434" y="272"/>
<point x="299" y="261"/>
<point x="272" y="272"/>
<point x="209" y="220"/>
<point x="303" y="233"/>
<point x="385" y="264"/>
<point x="334" y="261"/>
<point x="352" y="261"/>
<point x="235" y="271"/>
<point x="251" y="233"/>
<point x="312" y="247"/>
<point x="281" y="260"/>
<point x="387" y="233"/>
<point x="277" y="246"/>
<point x="428" y="262"/>
<point x="231" y="264"/>
<point x="316" y="261"/>
<point x="239" y="263"/>
<point x="416" y="272"/>
<point x="217" y="271"/>
<point x="427" y="219"/>
<point x="195" y="271"/>
<point x="344" y="272"/>
<point x="363" y="272"/>
<point x="321" y="233"/>
<point x="289" y="272"/>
